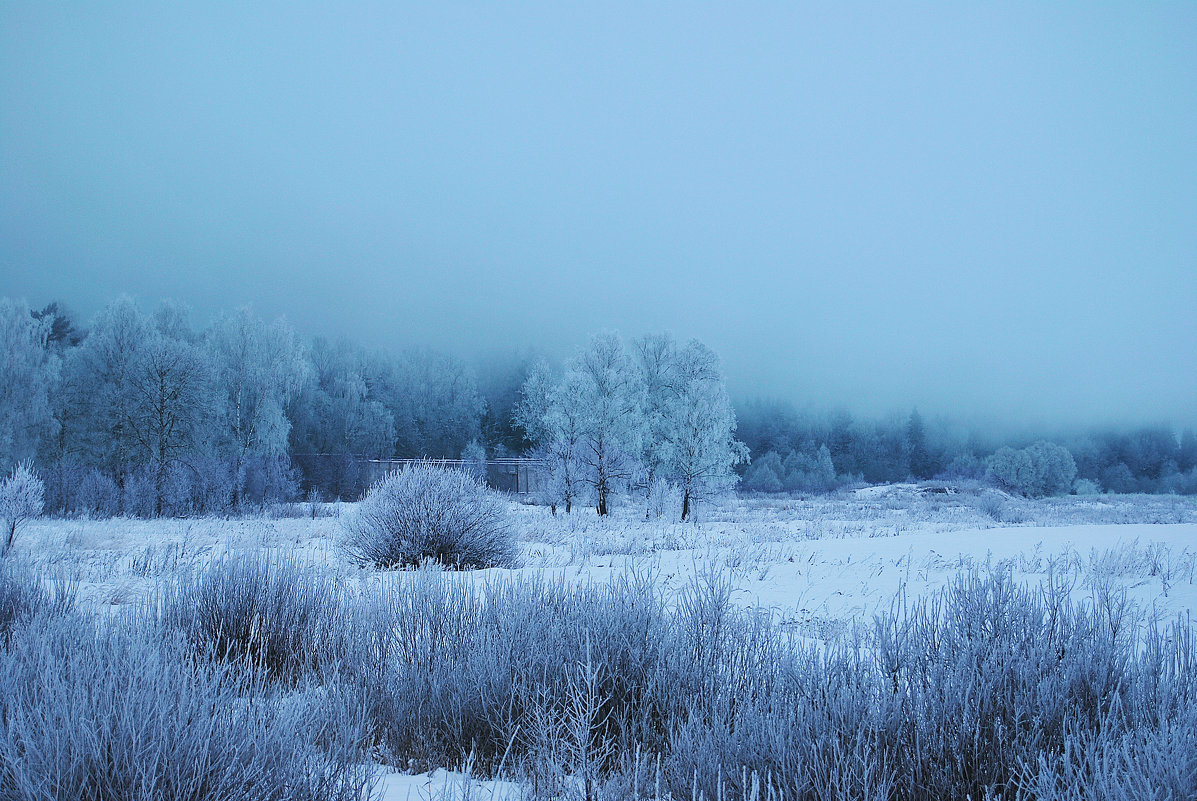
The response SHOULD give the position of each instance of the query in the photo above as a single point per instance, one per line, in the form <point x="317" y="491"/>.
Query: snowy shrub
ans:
<point x="765" y="474"/>
<point x="21" y="496"/>
<point x="270" y="610"/>
<point x="102" y="711"/>
<point x="21" y="595"/>
<point x="1044" y="468"/>
<point x="1055" y="469"/>
<point x="425" y="512"/>
<point x="449" y="668"/>
<point x="989" y="685"/>
<point x="1118" y="478"/>
<point x="268" y="478"/>
<point x="998" y="506"/>
<point x="97" y="495"/>
<point x="1084" y="486"/>
<point x="1012" y="470"/>
<point x="804" y="472"/>
<point x="137" y="498"/>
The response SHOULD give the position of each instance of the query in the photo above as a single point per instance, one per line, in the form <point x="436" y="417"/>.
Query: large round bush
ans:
<point x="426" y="512"/>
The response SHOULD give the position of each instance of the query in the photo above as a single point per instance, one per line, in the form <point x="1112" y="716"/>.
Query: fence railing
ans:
<point x="516" y="475"/>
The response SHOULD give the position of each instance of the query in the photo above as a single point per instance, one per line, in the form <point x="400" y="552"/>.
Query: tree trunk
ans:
<point x="159" y="488"/>
<point x="686" y="504"/>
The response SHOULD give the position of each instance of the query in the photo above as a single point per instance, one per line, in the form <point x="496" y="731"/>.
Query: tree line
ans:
<point x="141" y="413"/>
<point x="793" y="451"/>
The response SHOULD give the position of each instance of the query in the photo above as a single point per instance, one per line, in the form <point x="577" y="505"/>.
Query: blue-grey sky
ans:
<point x="987" y="209"/>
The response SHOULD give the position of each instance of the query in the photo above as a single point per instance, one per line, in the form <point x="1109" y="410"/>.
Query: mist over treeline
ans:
<point x="140" y="412"/>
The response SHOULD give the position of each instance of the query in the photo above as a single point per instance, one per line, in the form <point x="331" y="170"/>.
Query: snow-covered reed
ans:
<point x="897" y="643"/>
<point x="112" y="710"/>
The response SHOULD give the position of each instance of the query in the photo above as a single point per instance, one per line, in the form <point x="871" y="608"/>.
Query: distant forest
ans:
<point x="139" y="413"/>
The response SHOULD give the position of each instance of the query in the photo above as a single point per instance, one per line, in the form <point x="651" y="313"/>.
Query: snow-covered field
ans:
<point x="817" y="565"/>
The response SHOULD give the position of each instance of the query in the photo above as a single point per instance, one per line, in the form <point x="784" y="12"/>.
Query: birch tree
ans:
<point x="99" y="375"/>
<point x="551" y="413"/>
<point x="656" y="361"/>
<point x="171" y="402"/>
<point x="30" y="373"/>
<point x="260" y="369"/>
<point x="702" y="427"/>
<point x="608" y="397"/>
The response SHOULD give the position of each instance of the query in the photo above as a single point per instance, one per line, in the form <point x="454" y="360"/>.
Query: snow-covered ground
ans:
<point x="816" y="563"/>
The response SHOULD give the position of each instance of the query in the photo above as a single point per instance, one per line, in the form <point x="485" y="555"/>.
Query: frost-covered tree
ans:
<point x="921" y="463"/>
<point x="434" y="401"/>
<point x="260" y="368"/>
<point x="98" y="391"/>
<point x="609" y="394"/>
<point x="656" y="360"/>
<point x="1044" y="468"/>
<point x="172" y="399"/>
<point x="700" y="426"/>
<point x="1012" y="470"/>
<point x="500" y="379"/>
<point x="20" y="501"/>
<point x="1054" y="468"/>
<point x="765" y="474"/>
<point x="551" y="413"/>
<point x="338" y="415"/>
<point x="1186" y="454"/>
<point x="809" y="472"/>
<point x="62" y="334"/>
<point x="29" y="374"/>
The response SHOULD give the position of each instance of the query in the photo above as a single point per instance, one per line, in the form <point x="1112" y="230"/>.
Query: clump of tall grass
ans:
<point x="112" y="710"/>
<point x="267" y="609"/>
<point x="987" y="690"/>
<point x="24" y="596"/>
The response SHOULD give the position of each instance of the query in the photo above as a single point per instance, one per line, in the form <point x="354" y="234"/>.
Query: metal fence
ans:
<point x="514" y="475"/>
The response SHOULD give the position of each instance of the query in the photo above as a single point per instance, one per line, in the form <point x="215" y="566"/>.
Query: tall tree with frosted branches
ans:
<point x="655" y="356"/>
<point x="97" y="393"/>
<point x="551" y="412"/>
<point x="609" y="396"/>
<point x="30" y="372"/>
<point x="172" y="398"/>
<point x="702" y="426"/>
<point x="260" y="369"/>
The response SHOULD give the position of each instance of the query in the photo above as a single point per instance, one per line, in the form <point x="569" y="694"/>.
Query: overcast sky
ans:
<point x="975" y="208"/>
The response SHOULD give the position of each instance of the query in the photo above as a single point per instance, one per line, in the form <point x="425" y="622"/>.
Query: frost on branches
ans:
<point x="659" y="412"/>
<point x="21" y="497"/>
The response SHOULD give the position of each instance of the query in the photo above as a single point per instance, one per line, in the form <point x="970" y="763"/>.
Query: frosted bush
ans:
<point x="1044" y="468"/>
<point x="21" y="595"/>
<point x="110" y="712"/>
<point x="97" y="495"/>
<point x="270" y="610"/>
<point x="989" y="684"/>
<point x="427" y="513"/>
<point x="21" y="498"/>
